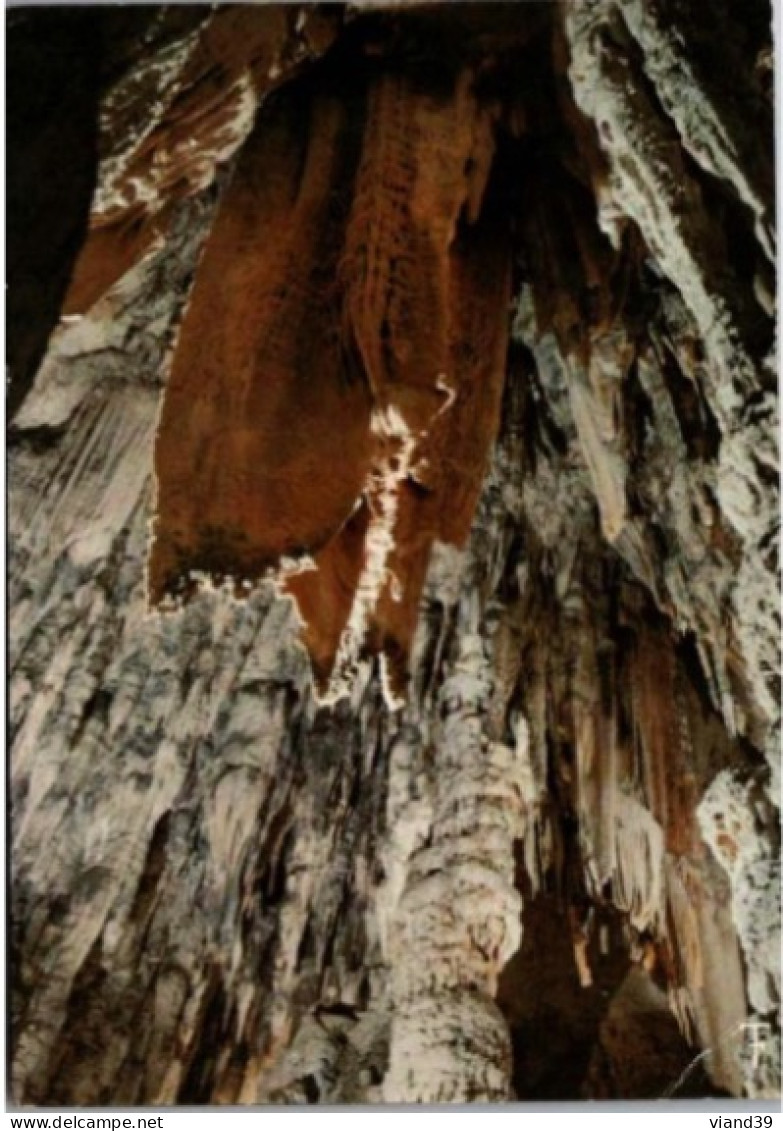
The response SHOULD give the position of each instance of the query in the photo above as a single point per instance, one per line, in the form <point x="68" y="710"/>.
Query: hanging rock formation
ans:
<point x="394" y="672"/>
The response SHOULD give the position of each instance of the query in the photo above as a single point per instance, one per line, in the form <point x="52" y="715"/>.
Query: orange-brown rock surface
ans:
<point x="346" y="337"/>
<point x="394" y="641"/>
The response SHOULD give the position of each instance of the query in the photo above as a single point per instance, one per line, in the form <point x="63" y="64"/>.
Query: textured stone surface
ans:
<point x="530" y="841"/>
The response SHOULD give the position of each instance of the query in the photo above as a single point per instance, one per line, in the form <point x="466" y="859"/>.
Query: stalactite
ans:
<point x="393" y="527"/>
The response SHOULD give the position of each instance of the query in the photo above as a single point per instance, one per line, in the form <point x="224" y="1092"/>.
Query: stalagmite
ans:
<point x="394" y="697"/>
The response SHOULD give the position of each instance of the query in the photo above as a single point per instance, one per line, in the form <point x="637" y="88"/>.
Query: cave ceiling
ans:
<point x="393" y="512"/>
